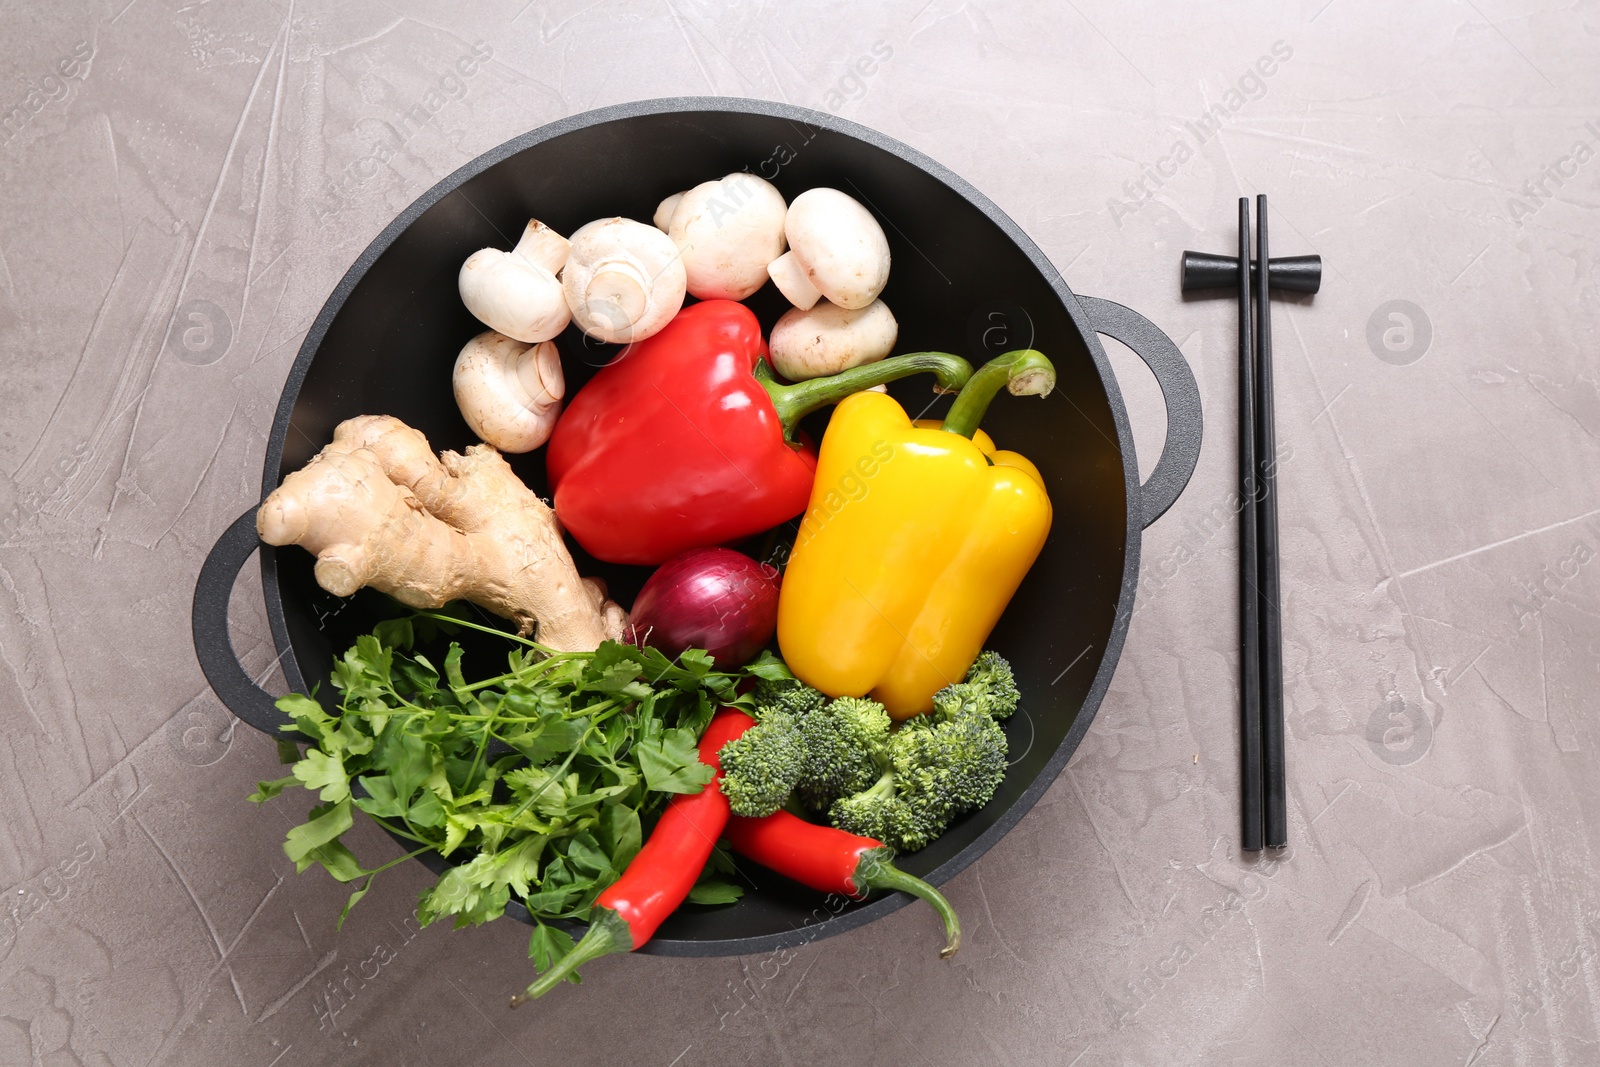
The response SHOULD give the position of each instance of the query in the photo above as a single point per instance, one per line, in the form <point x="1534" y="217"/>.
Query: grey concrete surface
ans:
<point x="211" y="164"/>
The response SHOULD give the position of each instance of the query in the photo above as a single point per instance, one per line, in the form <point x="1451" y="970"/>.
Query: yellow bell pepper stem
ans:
<point x="913" y="543"/>
<point x="1025" y="372"/>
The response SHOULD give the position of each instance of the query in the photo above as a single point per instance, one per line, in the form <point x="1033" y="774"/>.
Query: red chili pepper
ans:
<point x="626" y="915"/>
<point x="686" y="441"/>
<point x="833" y="861"/>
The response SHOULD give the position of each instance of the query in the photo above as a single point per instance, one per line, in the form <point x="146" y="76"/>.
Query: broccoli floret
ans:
<point x="870" y="812"/>
<point x="760" y="767"/>
<point x="843" y="742"/>
<point x="954" y="765"/>
<point x="883" y="813"/>
<point x="989" y="686"/>
<point x="954" y="700"/>
<point x="940" y="765"/>
<point x="795" y="698"/>
<point x="800" y="739"/>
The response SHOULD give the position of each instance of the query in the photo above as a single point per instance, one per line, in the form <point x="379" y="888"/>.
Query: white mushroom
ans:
<point x="836" y="250"/>
<point x="623" y="280"/>
<point x="509" y="391"/>
<point x="663" y="216"/>
<point x="517" y="292"/>
<point x="826" y="339"/>
<point x="729" y="230"/>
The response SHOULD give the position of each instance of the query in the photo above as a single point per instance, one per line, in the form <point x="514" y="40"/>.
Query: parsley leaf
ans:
<point x="671" y="763"/>
<point x="710" y="889"/>
<point x="319" y="770"/>
<point x="714" y="891"/>
<point x="325" y="824"/>
<point x="548" y="945"/>
<point x="265" y="791"/>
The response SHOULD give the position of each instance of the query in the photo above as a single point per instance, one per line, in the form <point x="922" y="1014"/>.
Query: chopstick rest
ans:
<point x="1202" y="270"/>
<point x="1263" y="780"/>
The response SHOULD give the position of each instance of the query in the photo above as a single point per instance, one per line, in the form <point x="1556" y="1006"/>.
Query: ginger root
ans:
<point x="378" y="508"/>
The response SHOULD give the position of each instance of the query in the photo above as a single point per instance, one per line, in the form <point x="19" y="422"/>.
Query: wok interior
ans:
<point x="958" y="283"/>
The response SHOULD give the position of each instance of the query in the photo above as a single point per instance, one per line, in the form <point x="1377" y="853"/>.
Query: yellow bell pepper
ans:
<point x="913" y="543"/>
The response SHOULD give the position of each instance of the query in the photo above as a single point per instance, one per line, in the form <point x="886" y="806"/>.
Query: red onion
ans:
<point x="712" y="598"/>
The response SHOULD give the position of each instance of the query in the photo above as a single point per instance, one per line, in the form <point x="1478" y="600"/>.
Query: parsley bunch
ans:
<point x="544" y="776"/>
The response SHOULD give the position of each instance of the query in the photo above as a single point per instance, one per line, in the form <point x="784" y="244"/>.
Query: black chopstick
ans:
<point x="1250" y="691"/>
<point x="1273" y="785"/>
<point x="1263" y="780"/>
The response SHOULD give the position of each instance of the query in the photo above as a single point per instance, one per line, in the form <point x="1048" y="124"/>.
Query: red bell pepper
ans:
<point x="685" y="440"/>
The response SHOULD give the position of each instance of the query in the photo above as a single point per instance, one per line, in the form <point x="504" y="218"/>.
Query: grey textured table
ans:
<point x="216" y="165"/>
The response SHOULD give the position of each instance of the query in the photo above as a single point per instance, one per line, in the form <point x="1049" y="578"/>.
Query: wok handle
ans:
<point x="1179" y="389"/>
<point x="209" y="622"/>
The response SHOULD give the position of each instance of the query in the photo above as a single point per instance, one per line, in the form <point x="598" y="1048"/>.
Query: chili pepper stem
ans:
<point x="608" y="932"/>
<point x="876" y="872"/>
<point x="1024" y="372"/>
<point x="795" y="402"/>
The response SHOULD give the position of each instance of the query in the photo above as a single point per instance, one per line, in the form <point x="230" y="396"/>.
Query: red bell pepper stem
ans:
<point x="1024" y="372"/>
<point x="833" y="861"/>
<point x="626" y="915"/>
<point x="794" y="402"/>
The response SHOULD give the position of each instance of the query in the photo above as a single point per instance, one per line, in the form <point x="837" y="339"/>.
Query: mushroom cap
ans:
<point x="729" y="230"/>
<point x="513" y="295"/>
<point x="509" y="391"/>
<point x="623" y="280"/>
<point x="827" y="339"/>
<point x="841" y="246"/>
